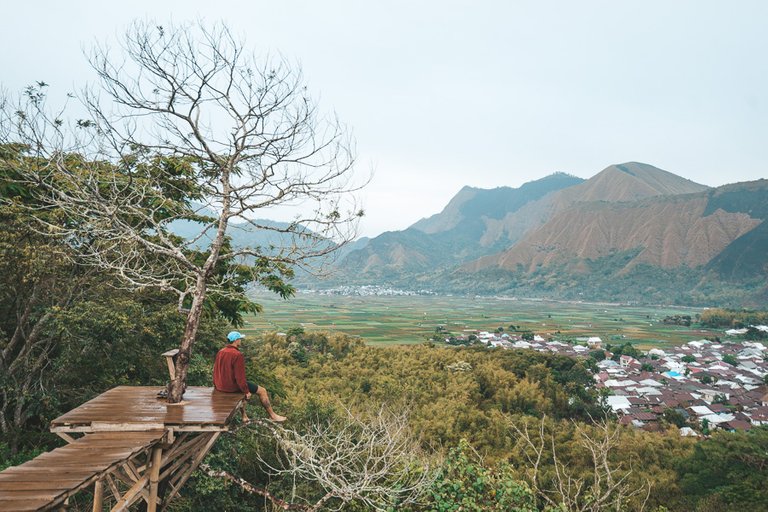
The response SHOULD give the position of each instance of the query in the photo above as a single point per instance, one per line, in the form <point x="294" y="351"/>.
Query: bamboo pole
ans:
<point x="154" y="477"/>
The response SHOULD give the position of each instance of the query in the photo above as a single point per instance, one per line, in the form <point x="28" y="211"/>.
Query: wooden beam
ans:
<point x="129" y="481"/>
<point x="131" y="495"/>
<point x="170" y="362"/>
<point x="112" y="487"/>
<point x="154" y="477"/>
<point x="193" y="466"/>
<point x="98" y="495"/>
<point x="177" y="462"/>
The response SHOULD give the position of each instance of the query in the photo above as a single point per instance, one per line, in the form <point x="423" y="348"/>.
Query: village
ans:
<point x="699" y="386"/>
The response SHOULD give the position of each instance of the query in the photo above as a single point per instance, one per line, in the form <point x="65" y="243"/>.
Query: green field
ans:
<point x="412" y="319"/>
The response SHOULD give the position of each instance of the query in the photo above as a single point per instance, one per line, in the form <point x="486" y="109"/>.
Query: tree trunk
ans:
<point x="178" y="385"/>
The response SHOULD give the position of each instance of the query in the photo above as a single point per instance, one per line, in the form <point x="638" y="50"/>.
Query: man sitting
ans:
<point x="229" y="375"/>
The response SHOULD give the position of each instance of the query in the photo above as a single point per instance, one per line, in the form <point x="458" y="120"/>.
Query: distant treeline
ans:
<point x="734" y="318"/>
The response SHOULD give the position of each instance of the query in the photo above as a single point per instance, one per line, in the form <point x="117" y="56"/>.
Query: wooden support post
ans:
<point x="131" y="495"/>
<point x="113" y="487"/>
<point x="184" y="476"/>
<point x="154" y="477"/>
<point x="98" y="495"/>
<point x="171" y="364"/>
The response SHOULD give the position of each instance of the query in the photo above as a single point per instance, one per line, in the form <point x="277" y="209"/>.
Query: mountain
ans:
<point x="665" y="232"/>
<point x="631" y="232"/>
<point x="242" y="234"/>
<point x="667" y="243"/>
<point x="629" y="182"/>
<point x="471" y="225"/>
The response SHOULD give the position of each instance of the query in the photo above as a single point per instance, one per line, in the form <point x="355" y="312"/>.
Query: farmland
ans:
<point x="413" y="319"/>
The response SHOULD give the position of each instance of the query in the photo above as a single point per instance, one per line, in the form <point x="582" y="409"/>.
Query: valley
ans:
<point x="412" y="319"/>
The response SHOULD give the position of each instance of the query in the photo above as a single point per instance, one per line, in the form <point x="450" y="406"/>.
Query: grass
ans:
<point x="413" y="319"/>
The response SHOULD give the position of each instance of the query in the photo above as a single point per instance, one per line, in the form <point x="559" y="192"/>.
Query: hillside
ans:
<point x="667" y="233"/>
<point x="471" y="225"/>
<point x="709" y="247"/>
<point x="629" y="182"/>
<point x="631" y="232"/>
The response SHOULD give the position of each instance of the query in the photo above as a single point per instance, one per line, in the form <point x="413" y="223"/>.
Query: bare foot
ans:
<point x="277" y="418"/>
<point x="245" y="419"/>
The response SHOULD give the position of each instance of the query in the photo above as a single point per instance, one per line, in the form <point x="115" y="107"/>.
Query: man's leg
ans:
<point x="261" y="392"/>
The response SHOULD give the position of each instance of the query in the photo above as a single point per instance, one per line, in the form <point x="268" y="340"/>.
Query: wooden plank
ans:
<point x="50" y="479"/>
<point x="26" y="505"/>
<point x="41" y="484"/>
<point x="137" y="408"/>
<point x="44" y="494"/>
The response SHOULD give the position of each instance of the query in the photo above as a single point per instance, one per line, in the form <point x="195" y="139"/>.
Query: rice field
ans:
<point x="413" y="319"/>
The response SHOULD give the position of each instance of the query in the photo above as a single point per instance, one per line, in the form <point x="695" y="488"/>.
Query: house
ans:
<point x="701" y="410"/>
<point x="594" y="342"/>
<point x="734" y="425"/>
<point x="626" y="361"/>
<point x="618" y="403"/>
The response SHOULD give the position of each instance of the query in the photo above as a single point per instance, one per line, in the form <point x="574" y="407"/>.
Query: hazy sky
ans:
<point x="442" y="94"/>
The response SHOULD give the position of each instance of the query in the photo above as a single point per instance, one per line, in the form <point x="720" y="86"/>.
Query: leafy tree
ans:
<point x="731" y="466"/>
<point x="626" y="349"/>
<point x="235" y="134"/>
<point x="464" y="482"/>
<point x="730" y="359"/>
<point x="597" y="354"/>
<point x="674" y="417"/>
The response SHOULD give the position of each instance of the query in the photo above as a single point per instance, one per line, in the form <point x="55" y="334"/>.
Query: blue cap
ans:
<point x="234" y="336"/>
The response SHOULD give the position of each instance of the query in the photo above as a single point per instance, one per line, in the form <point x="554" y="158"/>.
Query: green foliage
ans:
<point x="684" y="320"/>
<point x="732" y="318"/>
<point x="674" y="417"/>
<point x="627" y="350"/>
<point x="597" y="354"/>
<point x="730" y="359"/>
<point x="731" y="467"/>
<point x="8" y="458"/>
<point x="688" y="358"/>
<point x="464" y="483"/>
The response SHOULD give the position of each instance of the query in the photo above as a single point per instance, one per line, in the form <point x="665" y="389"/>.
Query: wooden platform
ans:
<point x="134" y="446"/>
<point x="46" y="481"/>
<point x="137" y="408"/>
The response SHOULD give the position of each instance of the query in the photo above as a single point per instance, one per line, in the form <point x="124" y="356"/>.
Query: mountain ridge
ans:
<point x="631" y="223"/>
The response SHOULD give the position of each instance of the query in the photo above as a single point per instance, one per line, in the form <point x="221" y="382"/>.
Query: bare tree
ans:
<point x="607" y="487"/>
<point x="369" y="460"/>
<point x="186" y="125"/>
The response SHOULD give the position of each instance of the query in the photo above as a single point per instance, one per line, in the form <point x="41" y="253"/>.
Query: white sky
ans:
<point x="442" y="94"/>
